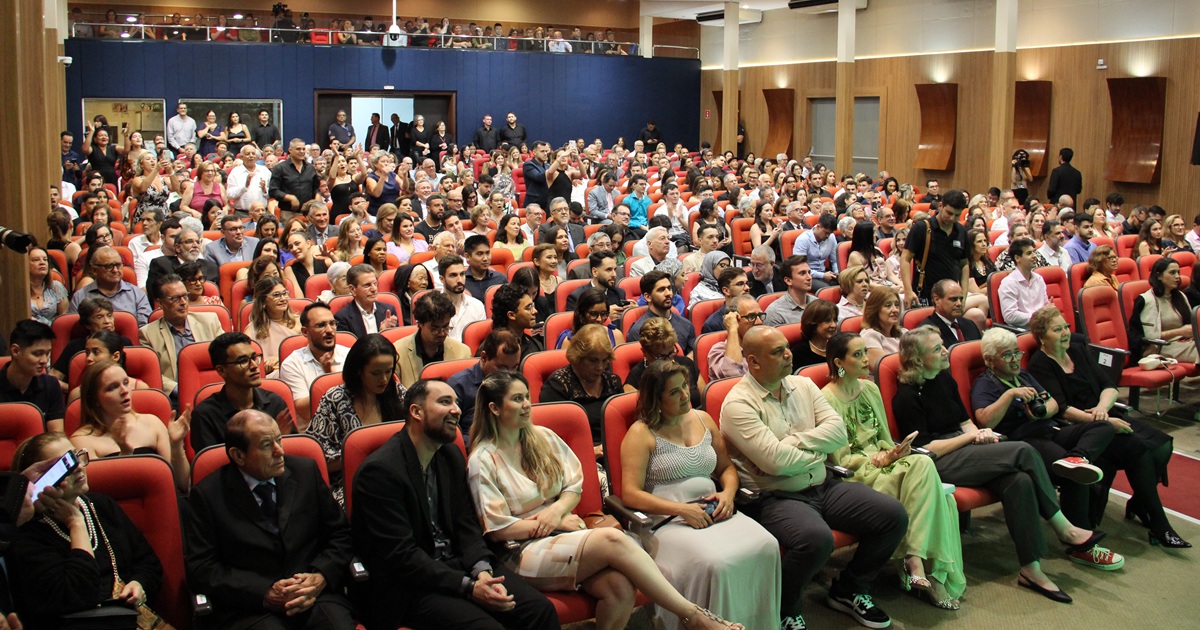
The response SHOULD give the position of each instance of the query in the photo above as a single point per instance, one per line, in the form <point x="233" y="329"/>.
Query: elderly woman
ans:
<point x="95" y="314"/>
<point x="271" y="319"/>
<point x="403" y="245"/>
<point x="338" y="285"/>
<point x="711" y="267"/>
<point x="1102" y="268"/>
<point x="588" y="379"/>
<point x="80" y="551"/>
<point x="369" y="395"/>
<point x="108" y="424"/>
<point x="1085" y="395"/>
<point x="855" y="285"/>
<point x="670" y="459"/>
<point x="817" y="325"/>
<point x="1164" y="316"/>
<point x="881" y="328"/>
<point x="927" y="403"/>
<point x="206" y="186"/>
<point x="408" y="281"/>
<point x="892" y="469"/>
<point x="590" y="308"/>
<point x="530" y="502"/>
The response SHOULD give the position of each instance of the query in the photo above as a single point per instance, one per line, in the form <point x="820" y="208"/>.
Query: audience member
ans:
<point x="481" y="276"/>
<point x="293" y="181"/>
<point x="24" y="377"/>
<point x="233" y="246"/>
<point x="1022" y="292"/>
<point x="239" y="365"/>
<point x="106" y="269"/>
<point x="500" y="350"/>
<point x="714" y="264"/>
<point x="467" y="308"/>
<point x="364" y="314"/>
<point x="1052" y="249"/>
<point x="322" y="355"/>
<point x="660" y="289"/>
<point x="176" y="329"/>
<point x="881" y="329"/>
<point x="432" y="314"/>
<point x="817" y="326"/>
<point x="1164" y="316"/>
<point x="821" y="251"/>
<point x="1080" y="246"/>
<point x="789" y="307"/>
<point x="513" y="310"/>
<point x="855" y="284"/>
<point x="1102" y="268"/>
<point x="588" y="379"/>
<point x="937" y="247"/>
<point x="947" y="314"/>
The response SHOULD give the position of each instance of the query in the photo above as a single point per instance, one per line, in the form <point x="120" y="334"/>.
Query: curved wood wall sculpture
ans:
<point x="939" y="125"/>
<point x="718" y="94"/>
<point x="781" y="120"/>
<point x="1031" y="122"/>
<point x="1139" y="106"/>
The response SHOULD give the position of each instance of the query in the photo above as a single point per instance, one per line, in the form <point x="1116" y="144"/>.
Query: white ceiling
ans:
<point x="687" y="9"/>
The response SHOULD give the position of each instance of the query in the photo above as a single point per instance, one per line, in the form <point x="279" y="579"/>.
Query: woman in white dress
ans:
<point x="525" y="481"/>
<point x="724" y="560"/>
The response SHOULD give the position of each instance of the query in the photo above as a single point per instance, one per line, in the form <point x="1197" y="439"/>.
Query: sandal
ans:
<point x="706" y="613"/>
<point x="910" y="581"/>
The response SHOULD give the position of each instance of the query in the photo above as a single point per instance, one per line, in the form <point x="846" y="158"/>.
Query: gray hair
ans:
<point x="443" y="236"/>
<point x="555" y="201"/>
<point x="996" y="341"/>
<point x="337" y="270"/>
<point x="846" y="224"/>
<point x="191" y="223"/>
<point x="654" y="232"/>
<point x="765" y="251"/>
<point x="597" y="235"/>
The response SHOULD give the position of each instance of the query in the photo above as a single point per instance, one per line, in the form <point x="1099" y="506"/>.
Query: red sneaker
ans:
<point x="1098" y="557"/>
<point x="1078" y="470"/>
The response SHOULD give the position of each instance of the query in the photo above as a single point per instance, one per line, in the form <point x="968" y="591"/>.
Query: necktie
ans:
<point x="266" y="494"/>
<point x="374" y="130"/>
<point x="958" y="330"/>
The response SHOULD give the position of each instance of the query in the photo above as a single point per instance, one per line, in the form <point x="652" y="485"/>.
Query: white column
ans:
<point x="730" y="81"/>
<point x="646" y="36"/>
<point x="843" y="133"/>
<point x="845" y="40"/>
<point x="731" y="30"/>
<point x="1006" y="26"/>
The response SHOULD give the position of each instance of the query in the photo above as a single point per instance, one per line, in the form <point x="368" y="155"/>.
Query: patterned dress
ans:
<point x="334" y="419"/>
<point x="913" y="480"/>
<point x="733" y="567"/>
<point x="505" y="495"/>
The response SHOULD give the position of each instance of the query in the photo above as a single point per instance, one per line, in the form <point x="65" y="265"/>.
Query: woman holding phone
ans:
<point x="931" y="550"/>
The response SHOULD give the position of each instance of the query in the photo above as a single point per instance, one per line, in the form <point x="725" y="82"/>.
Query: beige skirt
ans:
<point x="552" y="563"/>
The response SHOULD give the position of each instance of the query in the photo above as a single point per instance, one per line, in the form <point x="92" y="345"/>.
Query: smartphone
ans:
<point x="908" y="440"/>
<point x="56" y="473"/>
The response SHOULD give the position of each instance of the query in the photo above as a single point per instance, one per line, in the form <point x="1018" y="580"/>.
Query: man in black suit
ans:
<point x="416" y="529"/>
<point x="377" y="135"/>
<point x="266" y="541"/>
<point x="180" y="246"/>
<point x="398" y="137"/>
<point x="536" y="170"/>
<point x="948" y="301"/>
<point x="560" y="216"/>
<point x="487" y="138"/>
<point x="1064" y="179"/>
<point x="364" y="315"/>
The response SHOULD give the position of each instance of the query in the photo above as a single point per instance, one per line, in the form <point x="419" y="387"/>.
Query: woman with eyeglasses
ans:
<point x="110" y="426"/>
<point x="369" y="395"/>
<point x="68" y="557"/>
<point x="588" y="379"/>
<point x="658" y="342"/>
<point x="271" y="319"/>
<point x="194" y="281"/>
<point x="591" y="308"/>
<point x="1102" y="268"/>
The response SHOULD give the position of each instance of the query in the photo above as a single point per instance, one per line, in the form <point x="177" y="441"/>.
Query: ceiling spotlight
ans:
<point x="237" y="16"/>
<point x="131" y="19"/>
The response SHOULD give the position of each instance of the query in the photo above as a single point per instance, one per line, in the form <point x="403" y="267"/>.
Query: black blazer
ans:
<point x="349" y="320"/>
<point x="969" y="330"/>
<point x="383" y="138"/>
<point x="234" y="558"/>
<point x="164" y="265"/>
<point x="1064" y="180"/>
<point x="573" y="229"/>
<point x="392" y="534"/>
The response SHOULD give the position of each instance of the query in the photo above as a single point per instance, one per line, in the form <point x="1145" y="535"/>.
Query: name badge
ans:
<point x="956" y="243"/>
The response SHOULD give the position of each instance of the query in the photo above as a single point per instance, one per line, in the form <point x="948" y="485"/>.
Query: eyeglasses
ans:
<point x="196" y="280"/>
<point x="107" y="266"/>
<point x="278" y="295"/>
<point x="752" y="317"/>
<point x="190" y="241"/>
<point x="83" y="457"/>
<point x="173" y="299"/>
<point x="245" y="360"/>
<point x="1012" y="355"/>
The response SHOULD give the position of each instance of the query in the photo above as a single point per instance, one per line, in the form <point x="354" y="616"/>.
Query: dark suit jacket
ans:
<point x="969" y="330"/>
<point x="399" y="143"/>
<point x="1064" y="180"/>
<point x="574" y="229"/>
<point x="383" y="138"/>
<point x="392" y="533"/>
<point x="536" y="189"/>
<point x="233" y="557"/>
<point x="758" y="289"/>
<point x="349" y="320"/>
<point x="170" y="264"/>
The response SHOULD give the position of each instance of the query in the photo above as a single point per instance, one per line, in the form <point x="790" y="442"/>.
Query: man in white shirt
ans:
<point x="181" y="130"/>
<point x="321" y="356"/>
<point x="1193" y="237"/>
<point x="1052" y="249"/>
<point x="467" y="308"/>
<point x="444" y="244"/>
<point x="534" y="217"/>
<point x="248" y="182"/>
<point x="1022" y="292"/>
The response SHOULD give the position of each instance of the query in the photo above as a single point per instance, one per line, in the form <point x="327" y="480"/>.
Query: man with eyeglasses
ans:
<point x="733" y="283"/>
<point x="239" y="365"/>
<point x="365" y="315"/>
<point x="176" y="329"/>
<point x="234" y="246"/>
<point x="106" y="269"/>
<point x="432" y="343"/>
<point x="180" y="246"/>
<point x="947" y="317"/>
<point x="763" y="276"/>
<point x="725" y="358"/>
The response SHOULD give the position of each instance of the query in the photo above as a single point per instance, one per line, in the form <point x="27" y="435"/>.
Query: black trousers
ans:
<point x="1090" y="440"/>
<point x="331" y="612"/>
<point x="801" y="522"/>
<point x="434" y="611"/>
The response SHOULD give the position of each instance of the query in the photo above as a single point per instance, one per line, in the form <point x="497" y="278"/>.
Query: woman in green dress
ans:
<point x="932" y="550"/>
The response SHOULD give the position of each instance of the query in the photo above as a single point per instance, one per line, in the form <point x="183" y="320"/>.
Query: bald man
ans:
<point x="780" y="430"/>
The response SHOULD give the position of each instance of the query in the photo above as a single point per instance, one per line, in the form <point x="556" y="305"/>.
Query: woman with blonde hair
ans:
<point x="271" y="319"/>
<point x="349" y="241"/>
<point x="855" y="285"/>
<point x="525" y="481"/>
<point x="1102" y="268"/>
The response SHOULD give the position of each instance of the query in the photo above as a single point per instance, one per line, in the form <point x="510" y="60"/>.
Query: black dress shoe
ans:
<point x="1058" y="596"/>
<point x="1169" y="539"/>
<point x="1086" y="545"/>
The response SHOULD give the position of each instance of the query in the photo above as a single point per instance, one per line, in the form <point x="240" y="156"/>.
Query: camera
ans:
<point x="65" y="61"/>
<point x="17" y="241"/>
<point x="1037" y="406"/>
<point x="278" y="9"/>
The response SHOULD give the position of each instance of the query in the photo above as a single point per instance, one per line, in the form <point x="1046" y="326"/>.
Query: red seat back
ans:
<point x="1145" y="263"/>
<point x="740" y="234"/>
<point x="914" y="317"/>
<point x="570" y="422"/>
<point x="701" y="311"/>
<point x="359" y="445"/>
<point x="140" y="363"/>
<point x="888" y="379"/>
<point x="443" y="370"/>
<point x="994" y="280"/>
<point x="714" y="396"/>
<point x="1102" y="318"/>
<point x="212" y="458"/>
<point x="564" y="290"/>
<point x="1125" y="245"/>
<point x="625" y="356"/>
<point x="704" y="344"/>
<point x="818" y="374"/>
<point x="1058" y="289"/>
<point x="538" y="367"/>
<point x="22" y="421"/>
<point x="966" y="364"/>
<point x="67" y="327"/>
<point x="275" y="386"/>
<point x="475" y="333"/>
<point x="555" y="325"/>
<point x="619" y="415"/>
<point x="151" y="401"/>
<point x="851" y="324"/>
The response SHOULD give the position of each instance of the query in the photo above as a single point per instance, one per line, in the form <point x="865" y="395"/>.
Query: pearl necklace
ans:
<point x="88" y="519"/>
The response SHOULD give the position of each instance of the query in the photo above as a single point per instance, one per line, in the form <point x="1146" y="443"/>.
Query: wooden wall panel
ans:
<point x="1031" y="123"/>
<point x="939" y="126"/>
<point x="1080" y="117"/>
<point x="781" y="111"/>
<point x="1138" y="107"/>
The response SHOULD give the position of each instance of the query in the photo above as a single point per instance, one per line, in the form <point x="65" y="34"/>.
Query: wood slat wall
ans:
<point x="1080" y="118"/>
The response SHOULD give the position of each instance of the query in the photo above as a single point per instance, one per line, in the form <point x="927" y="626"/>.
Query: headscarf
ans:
<point x="709" y="266"/>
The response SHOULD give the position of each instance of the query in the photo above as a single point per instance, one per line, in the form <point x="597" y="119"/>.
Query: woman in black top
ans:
<point x="62" y="561"/>
<point x="817" y="325"/>
<point x="101" y="154"/>
<point x="927" y="403"/>
<point x="658" y="341"/>
<point x="305" y="263"/>
<point x="979" y="263"/>
<point x="1085" y="393"/>
<point x="588" y="379"/>
<point x="441" y="140"/>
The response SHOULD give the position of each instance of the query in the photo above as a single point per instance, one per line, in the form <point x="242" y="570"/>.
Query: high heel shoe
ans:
<point x="1132" y="513"/>
<point x="706" y="613"/>
<point x="911" y="582"/>
<point x="1168" y="538"/>
<point x="933" y="593"/>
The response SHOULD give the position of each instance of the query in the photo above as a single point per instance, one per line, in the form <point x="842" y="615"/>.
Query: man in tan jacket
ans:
<point x="176" y="329"/>
<point x="432" y="342"/>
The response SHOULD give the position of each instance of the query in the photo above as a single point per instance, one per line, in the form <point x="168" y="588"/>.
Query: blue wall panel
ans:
<point x="557" y="97"/>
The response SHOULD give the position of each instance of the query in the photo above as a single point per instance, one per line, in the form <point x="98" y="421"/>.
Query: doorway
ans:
<point x="866" y="133"/>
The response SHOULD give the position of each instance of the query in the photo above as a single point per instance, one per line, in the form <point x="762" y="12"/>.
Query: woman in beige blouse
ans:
<point x="271" y="319"/>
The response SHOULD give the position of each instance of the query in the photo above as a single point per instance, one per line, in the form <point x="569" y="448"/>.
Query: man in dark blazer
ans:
<point x="364" y="314"/>
<point x="377" y="135"/>
<point x="535" y="170"/>
<point x="180" y="246"/>
<point x="266" y="541"/>
<point x="398" y="137"/>
<point x="429" y="565"/>
<point x="948" y="301"/>
<point x="1064" y="179"/>
<point x="560" y="216"/>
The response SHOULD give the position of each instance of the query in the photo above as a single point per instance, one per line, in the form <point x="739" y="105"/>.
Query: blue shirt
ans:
<point x="639" y="210"/>
<point x="466" y="386"/>
<point x="685" y="333"/>
<point x="818" y="253"/>
<point x="128" y="298"/>
<point x="219" y="253"/>
<point x="1079" y="249"/>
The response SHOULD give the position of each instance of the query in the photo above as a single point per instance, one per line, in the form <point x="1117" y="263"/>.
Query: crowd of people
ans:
<point x="284" y="26"/>
<point x="596" y="248"/>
